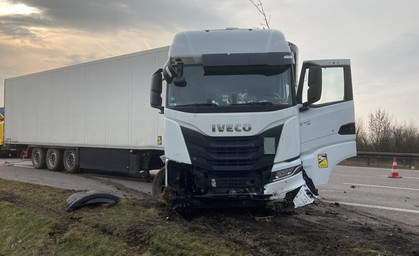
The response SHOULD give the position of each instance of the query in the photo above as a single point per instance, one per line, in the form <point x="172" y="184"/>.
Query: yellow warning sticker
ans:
<point x="159" y="140"/>
<point x="322" y="160"/>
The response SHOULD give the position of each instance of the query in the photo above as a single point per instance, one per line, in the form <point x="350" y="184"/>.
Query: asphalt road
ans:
<point x="367" y="189"/>
<point x="371" y="190"/>
<point x="22" y="170"/>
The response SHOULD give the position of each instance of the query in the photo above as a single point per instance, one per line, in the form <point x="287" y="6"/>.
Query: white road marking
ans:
<point x="410" y="178"/>
<point x="374" y="206"/>
<point x="329" y="190"/>
<point x="377" y="186"/>
<point x="24" y="166"/>
<point x="404" y="177"/>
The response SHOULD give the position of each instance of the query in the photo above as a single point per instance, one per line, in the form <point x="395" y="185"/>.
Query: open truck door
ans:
<point x="327" y="122"/>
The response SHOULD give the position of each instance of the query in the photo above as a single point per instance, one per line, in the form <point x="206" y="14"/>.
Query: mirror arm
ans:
<point x="305" y="106"/>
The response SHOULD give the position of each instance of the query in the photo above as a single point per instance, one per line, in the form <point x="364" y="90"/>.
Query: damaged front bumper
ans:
<point x="297" y="188"/>
<point x="284" y="182"/>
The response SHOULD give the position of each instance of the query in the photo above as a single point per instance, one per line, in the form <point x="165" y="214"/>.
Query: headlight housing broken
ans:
<point x="284" y="173"/>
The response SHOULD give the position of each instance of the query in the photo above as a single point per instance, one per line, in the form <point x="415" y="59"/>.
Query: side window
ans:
<point x="333" y="85"/>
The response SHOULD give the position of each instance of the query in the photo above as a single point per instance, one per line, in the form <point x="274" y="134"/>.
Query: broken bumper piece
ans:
<point x="81" y="199"/>
<point x="304" y="197"/>
<point x="293" y="188"/>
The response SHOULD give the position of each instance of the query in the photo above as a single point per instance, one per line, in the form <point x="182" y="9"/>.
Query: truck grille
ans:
<point x="244" y="153"/>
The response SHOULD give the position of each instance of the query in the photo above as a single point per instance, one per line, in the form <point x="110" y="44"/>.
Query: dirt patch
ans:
<point x="317" y="229"/>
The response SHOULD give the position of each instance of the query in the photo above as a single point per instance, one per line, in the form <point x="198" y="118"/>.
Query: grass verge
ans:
<point x="34" y="222"/>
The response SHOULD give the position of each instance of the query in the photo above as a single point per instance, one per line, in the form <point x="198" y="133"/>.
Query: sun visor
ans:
<point x="247" y="63"/>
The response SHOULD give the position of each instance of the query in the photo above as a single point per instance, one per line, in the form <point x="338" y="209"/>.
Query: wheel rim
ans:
<point x="37" y="157"/>
<point x="52" y="159"/>
<point x="70" y="160"/>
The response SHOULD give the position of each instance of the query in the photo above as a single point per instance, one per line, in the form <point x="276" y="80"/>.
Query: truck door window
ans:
<point x="333" y="85"/>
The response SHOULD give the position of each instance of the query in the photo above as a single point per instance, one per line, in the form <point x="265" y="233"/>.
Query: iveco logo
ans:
<point x="231" y="127"/>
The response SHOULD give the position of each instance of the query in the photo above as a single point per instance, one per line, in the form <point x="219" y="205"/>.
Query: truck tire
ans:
<point x="38" y="158"/>
<point x="54" y="159"/>
<point x="71" y="160"/>
<point x="159" y="182"/>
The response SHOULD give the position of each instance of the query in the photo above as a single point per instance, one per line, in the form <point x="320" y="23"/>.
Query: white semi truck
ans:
<point x="233" y="127"/>
<point x="239" y="129"/>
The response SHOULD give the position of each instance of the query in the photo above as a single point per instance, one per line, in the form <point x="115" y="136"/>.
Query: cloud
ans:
<point x="18" y="26"/>
<point x="68" y="32"/>
<point x="103" y="16"/>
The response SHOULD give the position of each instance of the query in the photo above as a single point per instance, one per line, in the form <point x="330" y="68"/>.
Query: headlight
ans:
<point x="278" y="175"/>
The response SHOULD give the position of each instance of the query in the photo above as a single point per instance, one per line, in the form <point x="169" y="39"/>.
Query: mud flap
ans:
<point x="304" y="196"/>
<point x="81" y="199"/>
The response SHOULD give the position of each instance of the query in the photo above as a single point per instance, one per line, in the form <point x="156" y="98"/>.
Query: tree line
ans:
<point x="380" y="133"/>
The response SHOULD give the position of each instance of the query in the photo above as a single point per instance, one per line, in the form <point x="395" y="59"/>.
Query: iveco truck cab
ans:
<point x="240" y="128"/>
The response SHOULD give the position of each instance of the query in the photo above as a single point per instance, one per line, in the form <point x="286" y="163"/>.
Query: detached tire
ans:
<point x="71" y="160"/>
<point x="54" y="159"/>
<point x="38" y="158"/>
<point x="159" y="182"/>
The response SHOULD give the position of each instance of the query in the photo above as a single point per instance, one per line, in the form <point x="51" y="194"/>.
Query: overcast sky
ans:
<point x="381" y="37"/>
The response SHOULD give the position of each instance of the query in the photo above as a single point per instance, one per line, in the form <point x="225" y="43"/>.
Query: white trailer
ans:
<point x="94" y="115"/>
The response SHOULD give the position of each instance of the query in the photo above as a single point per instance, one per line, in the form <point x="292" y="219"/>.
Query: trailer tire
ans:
<point x="54" y="159"/>
<point x="159" y="182"/>
<point x="71" y="160"/>
<point x="38" y="158"/>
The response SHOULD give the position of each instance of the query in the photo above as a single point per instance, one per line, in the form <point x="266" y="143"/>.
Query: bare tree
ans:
<point x="405" y="138"/>
<point x="362" y="143"/>
<point x="259" y="6"/>
<point x="381" y="134"/>
<point x="380" y="128"/>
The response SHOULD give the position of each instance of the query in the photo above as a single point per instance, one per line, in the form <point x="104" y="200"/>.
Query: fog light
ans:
<point x="278" y="175"/>
<point x="213" y="183"/>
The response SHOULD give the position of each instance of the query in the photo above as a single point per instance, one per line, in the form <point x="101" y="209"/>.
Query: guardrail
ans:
<point x="384" y="159"/>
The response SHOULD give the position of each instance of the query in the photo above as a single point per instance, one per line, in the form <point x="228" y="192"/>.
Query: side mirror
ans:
<point x="174" y="73"/>
<point x="179" y="80"/>
<point x="314" y="85"/>
<point x="169" y="72"/>
<point x="156" y="90"/>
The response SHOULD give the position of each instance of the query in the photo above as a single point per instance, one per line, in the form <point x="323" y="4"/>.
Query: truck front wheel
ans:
<point x="54" y="159"/>
<point x="38" y="158"/>
<point x="71" y="160"/>
<point x="159" y="182"/>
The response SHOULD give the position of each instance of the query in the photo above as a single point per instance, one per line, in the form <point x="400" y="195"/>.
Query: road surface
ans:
<point x="22" y="170"/>
<point x="367" y="189"/>
<point x="372" y="190"/>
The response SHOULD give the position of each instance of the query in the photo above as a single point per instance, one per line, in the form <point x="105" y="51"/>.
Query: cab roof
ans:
<point x="193" y="44"/>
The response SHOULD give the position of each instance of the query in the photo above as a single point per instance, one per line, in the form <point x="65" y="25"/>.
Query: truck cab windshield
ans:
<point x="231" y="92"/>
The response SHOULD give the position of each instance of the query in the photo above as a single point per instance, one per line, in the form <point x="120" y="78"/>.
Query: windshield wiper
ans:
<point x="255" y="103"/>
<point x="199" y="105"/>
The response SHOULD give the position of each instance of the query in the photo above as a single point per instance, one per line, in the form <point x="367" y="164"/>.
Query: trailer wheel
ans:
<point x="38" y="158"/>
<point x="71" y="160"/>
<point x="54" y="159"/>
<point x="159" y="182"/>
